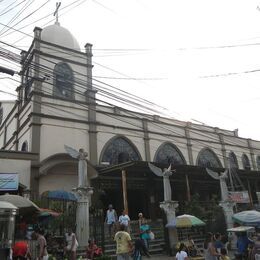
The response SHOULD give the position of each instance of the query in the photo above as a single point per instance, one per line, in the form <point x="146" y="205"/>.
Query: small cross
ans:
<point x="56" y="12"/>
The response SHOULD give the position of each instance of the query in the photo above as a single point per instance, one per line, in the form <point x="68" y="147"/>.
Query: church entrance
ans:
<point x="137" y="202"/>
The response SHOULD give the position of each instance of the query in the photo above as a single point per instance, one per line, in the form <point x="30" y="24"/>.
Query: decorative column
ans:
<point x="227" y="207"/>
<point x="228" y="211"/>
<point x="82" y="215"/>
<point x="84" y="192"/>
<point x="169" y="208"/>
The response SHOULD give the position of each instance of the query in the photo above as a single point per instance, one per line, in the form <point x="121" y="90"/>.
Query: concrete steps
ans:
<point x="156" y="246"/>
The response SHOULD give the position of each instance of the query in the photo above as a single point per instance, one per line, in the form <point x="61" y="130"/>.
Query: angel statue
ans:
<point x="222" y="179"/>
<point x="81" y="155"/>
<point x="166" y="173"/>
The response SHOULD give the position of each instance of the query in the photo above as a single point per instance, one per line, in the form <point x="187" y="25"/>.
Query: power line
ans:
<point x="26" y="17"/>
<point x="17" y="15"/>
<point x="195" y="132"/>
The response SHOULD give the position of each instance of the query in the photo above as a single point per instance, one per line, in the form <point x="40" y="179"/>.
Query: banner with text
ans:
<point x="239" y="196"/>
<point x="8" y="181"/>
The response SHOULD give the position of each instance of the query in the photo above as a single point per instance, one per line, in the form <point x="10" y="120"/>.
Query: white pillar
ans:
<point x="82" y="215"/>
<point x="169" y="208"/>
<point x="227" y="207"/>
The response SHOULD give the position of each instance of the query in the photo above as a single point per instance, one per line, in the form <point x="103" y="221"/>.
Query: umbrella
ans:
<point x="247" y="218"/>
<point x="60" y="195"/>
<point x="241" y="229"/>
<point x="48" y="213"/>
<point x="24" y="205"/>
<point x="184" y="221"/>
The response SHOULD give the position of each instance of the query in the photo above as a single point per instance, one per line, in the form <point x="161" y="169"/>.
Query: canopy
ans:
<point x="24" y="205"/>
<point x="241" y="229"/>
<point x="7" y="205"/>
<point x="184" y="221"/>
<point x="60" y="195"/>
<point x="247" y="218"/>
<point x="48" y="213"/>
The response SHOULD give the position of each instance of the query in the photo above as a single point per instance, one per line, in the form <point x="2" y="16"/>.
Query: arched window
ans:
<point x="246" y="162"/>
<point x="233" y="160"/>
<point x="119" y="150"/>
<point x="258" y="162"/>
<point x="63" y="81"/>
<point x="24" y="146"/>
<point x="207" y="158"/>
<point x="168" y="153"/>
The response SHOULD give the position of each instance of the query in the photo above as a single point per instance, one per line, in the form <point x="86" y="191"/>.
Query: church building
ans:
<point x="57" y="105"/>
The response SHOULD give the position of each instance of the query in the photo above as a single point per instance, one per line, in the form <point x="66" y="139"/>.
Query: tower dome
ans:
<point x="59" y="35"/>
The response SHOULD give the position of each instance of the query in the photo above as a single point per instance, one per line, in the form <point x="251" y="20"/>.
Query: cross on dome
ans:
<point x="56" y="13"/>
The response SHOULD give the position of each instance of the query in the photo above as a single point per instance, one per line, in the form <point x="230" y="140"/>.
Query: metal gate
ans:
<point x="96" y="226"/>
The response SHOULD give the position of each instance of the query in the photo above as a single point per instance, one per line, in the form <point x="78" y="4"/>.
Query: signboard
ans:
<point x="8" y="181"/>
<point x="239" y="196"/>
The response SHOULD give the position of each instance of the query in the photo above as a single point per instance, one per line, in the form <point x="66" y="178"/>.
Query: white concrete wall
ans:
<point x="22" y="167"/>
<point x="56" y="133"/>
<point x="57" y="182"/>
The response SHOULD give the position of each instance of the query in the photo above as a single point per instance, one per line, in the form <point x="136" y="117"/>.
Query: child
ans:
<point x="137" y="251"/>
<point x="223" y="252"/>
<point x="93" y="250"/>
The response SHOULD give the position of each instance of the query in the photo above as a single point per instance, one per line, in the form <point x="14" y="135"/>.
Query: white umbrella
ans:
<point x="24" y="205"/>
<point x="247" y="218"/>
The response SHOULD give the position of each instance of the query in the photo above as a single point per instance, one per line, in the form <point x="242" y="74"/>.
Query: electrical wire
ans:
<point x="204" y="143"/>
<point x="17" y="15"/>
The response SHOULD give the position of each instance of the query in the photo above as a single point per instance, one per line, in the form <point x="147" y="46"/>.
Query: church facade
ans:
<point x="57" y="105"/>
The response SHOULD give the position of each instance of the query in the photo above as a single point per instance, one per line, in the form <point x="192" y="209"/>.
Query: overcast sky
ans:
<point x="198" y="58"/>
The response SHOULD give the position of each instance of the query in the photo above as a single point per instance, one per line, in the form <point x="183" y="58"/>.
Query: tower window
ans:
<point x="63" y="81"/>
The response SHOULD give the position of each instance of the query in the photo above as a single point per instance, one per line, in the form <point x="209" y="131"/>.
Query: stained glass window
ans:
<point x="169" y="153"/>
<point x="233" y="160"/>
<point x="246" y="162"/>
<point x="119" y="150"/>
<point x="258" y="162"/>
<point x="63" y="81"/>
<point x="207" y="158"/>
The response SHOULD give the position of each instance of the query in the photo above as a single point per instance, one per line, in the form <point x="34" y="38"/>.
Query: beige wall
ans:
<point x="22" y="167"/>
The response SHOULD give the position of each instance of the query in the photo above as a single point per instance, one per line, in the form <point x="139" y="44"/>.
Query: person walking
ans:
<point x="145" y="235"/>
<point x="140" y="219"/>
<point x="72" y="245"/>
<point x="210" y="252"/>
<point x="218" y="243"/>
<point x="124" y="220"/>
<point x="124" y="245"/>
<point x="111" y="219"/>
<point x="42" y="245"/>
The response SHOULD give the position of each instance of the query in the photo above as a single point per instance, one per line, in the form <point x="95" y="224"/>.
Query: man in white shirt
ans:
<point x="111" y="219"/>
<point x="124" y="220"/>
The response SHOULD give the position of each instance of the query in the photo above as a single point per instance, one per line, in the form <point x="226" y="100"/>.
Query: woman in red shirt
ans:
<point x="21" y="251"/>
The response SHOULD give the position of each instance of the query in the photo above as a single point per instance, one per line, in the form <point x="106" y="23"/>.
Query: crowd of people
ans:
<point x="119" y="231"/>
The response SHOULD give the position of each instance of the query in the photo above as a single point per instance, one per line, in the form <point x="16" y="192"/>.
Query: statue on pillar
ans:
<point x="222" y="180"/>
<point x="81" y="155"/>
<point x="226" y="204"/>
<point x="166" y="173"/>
<point x="84" y="192"/>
